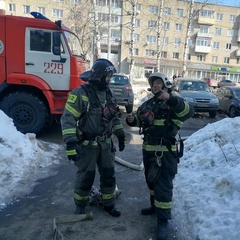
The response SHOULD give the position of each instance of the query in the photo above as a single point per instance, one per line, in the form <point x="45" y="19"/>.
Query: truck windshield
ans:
<point x="73" y="43"/>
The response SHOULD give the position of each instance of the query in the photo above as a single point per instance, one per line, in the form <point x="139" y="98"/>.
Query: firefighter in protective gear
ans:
<point x="159" y="120"/>
<point x="90" y="117"/>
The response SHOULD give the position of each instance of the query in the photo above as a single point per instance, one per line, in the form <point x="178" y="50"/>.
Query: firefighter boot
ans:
<point x="112" y="211"/>
<point x="150" y="210"/>
<point x="162" y="229"/>
<point x="80" y="210"/>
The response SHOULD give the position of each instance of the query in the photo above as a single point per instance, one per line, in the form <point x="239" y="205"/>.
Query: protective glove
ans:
<point x="73" y="151"/>
<point x="121" y="143"/>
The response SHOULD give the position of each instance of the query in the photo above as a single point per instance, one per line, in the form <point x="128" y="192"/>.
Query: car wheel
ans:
<point x="232" y="112"/>
<point x="213" y="114"/>
<point x="129" y="108"/>
<point x="29" y="113"/>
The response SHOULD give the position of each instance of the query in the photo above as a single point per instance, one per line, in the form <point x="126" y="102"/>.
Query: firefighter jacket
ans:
<point x="83" y="117"/>
<point x="160" y="121"/>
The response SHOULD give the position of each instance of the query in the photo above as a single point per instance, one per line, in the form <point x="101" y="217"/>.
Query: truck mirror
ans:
<point x="56" y="43"/>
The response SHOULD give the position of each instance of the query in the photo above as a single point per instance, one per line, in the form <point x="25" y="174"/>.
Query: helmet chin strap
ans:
<point x="102" y="84"/>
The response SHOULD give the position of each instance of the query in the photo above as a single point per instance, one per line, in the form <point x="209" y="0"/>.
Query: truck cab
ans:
<point x="40" y="63"/>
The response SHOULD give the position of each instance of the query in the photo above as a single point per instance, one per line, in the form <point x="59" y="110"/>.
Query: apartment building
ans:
<point x="177" y="37"/>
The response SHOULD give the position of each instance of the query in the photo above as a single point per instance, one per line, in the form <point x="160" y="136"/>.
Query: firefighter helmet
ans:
<point x="101" y="67"/>
<point x="158" y="75"/>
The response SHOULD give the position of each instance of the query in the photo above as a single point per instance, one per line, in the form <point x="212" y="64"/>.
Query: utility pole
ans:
<point x="186" y="42"/>
<point x="133" y="20"/>
<point x="97" y="47"/>
<point x="109" y="31"/>
<point x="159" y="27"/>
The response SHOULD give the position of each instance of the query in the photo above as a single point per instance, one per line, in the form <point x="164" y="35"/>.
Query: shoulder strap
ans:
<point x="92" y="96"/>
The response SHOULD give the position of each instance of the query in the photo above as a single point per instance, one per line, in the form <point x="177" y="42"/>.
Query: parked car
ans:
<point x="211" y="82"/>
<point x="226" y="82"/>
<point x="122" y="90"/>
<point x="229" y="100"/>
<point x="198" y="94"/>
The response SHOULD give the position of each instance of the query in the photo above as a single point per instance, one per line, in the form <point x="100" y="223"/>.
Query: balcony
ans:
<point x="238" y="53"/>
<point x="202" y="49"/>
<point x="205" y="35"/>
<point x="113" y="41"/>
<point x="206" y="21"/>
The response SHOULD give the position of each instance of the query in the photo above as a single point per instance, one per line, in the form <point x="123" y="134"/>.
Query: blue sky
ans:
<point x="223" y="2"/>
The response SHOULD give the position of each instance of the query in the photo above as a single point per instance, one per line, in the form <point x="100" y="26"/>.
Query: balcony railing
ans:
<point x="206" y="21"/>
<point x="113" y="41"/>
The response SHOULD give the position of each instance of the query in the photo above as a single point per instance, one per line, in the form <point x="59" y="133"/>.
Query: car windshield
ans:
<point x="119" y="80"/>
<point x="194" y="86"/>
<point x="236" y="93"/>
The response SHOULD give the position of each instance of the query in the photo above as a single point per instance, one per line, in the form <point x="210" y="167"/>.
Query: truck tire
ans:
<point x="29" y="113"/>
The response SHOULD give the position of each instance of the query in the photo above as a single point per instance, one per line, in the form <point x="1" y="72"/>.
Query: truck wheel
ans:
<point x="29" y="113"/>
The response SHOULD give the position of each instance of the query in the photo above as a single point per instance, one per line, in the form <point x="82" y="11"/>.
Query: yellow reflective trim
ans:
<point x="163" y="205"/>
<point x="159" y="148"/>
<point x="117" y="127"/>
<point x="108" y="196"/>
<point x="185" y="110"/>
<point x="80" y="198"/>
<point x="72" y="110"/>
<point x="158" y="122"/>
<point x="178" y="122"/>
<point x="85" y="98"/>
<point x="151" y="192"/>
<point x="71" y="152"/>
<point x="69" y="131"/>
<point x="92" y="143"/>
<point x="72" y="98"/>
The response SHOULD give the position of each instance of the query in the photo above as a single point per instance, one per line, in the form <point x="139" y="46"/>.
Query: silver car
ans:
<point x="198" y="94"/>
<point x="122" y="90"/>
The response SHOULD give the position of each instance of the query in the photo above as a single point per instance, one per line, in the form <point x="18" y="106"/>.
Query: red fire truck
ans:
<point x="40" y="63"/>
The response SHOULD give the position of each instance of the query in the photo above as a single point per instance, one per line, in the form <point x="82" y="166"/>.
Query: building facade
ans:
<point x="176" y="37"/>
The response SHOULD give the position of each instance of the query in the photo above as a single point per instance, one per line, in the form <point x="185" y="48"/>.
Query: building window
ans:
<point x="134" y="52"/>
<point x="226" y="60"/>
<point x="26" y="9"/>
<point x="76" y="1"/>
<point x="116" y="19"/>
<point x="152" y="24"/>
<point x="228" y="46"/>
<point x="166" y="26"/>
<point x="216" y="45"/>
<point x="153" y="9"/>
<point x="230" y="32"/>
<point x="180" y="12"/>
<point x="167" y="11"/>
<point x="232" y="18"/>
<point x="11" y="7"/>
<point x="136" y="37"/>
<point x="204" y="29"/>
<point x="200" y="58"/>
<point x="178" y="27"/>
<point x="214" y="59"/>
<point x="138" y="7"/>
<point x="177" y="41"/>
<point x="57" y="13"/>
<point x="137" y="22"/>
<point x="163" y="54"/>
<point x="165" y="40"/>
<point x="151" y="39"/>
<point x="176" y="55"/>
<point x="205" y="42"/>
<point x="206" y="13"/>
<point x="218" y="31"/>
<point x="118" y="4"/>
<point x="189" y="56"/>
<point x="238" y="60"/>
<point x="150" y="53"/>
<point x="41" y="10"/>
<point x="219" y="16"/>
<point x="58" y="0"/>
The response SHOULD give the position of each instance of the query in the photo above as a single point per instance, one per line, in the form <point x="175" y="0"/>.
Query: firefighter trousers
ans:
<point x="100" y="155"/>
<point x="162" y="185"/>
